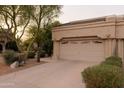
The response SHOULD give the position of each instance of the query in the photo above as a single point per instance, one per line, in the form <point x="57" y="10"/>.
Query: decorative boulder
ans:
<point x="22" y="63"/>
<point x="14" y="64"/>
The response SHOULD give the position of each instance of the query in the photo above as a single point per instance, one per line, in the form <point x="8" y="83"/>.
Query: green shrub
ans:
<point x="10" y="56"/>
<point x="103" y="76"/>
<point x="31" y="54"/>
<point x="113" y="60"/>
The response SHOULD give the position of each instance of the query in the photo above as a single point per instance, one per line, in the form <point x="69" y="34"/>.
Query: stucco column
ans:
<point x="111" y="50"/>
<point x="120" y="49"/>
<point x="56" y="50"/>
<point x="110" y="47"/>
<point x="114" y="47"/>
<point x="106" y="48"/>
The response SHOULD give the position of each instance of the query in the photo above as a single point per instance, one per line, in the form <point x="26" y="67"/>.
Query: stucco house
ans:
<point x="89" y="40"/>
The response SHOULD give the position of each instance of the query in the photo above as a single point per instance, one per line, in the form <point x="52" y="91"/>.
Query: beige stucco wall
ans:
<point x="102" y="29"/>
<point x="111" y="30"/>
<point x="101" y="32"/>
<point x="56" y="47"/>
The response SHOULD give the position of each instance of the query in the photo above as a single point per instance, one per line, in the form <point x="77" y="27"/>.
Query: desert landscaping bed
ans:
<point x="4" y="69"/>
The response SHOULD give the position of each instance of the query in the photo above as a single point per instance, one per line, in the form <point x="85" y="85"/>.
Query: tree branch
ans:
<point x="24" y="28"/>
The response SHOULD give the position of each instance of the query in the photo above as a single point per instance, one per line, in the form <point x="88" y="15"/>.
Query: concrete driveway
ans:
<point x="60" y="74"/>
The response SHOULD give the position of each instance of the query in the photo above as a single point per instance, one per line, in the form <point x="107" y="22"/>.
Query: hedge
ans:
<point x="113" y="60"/>
<point x="103" y="76"/>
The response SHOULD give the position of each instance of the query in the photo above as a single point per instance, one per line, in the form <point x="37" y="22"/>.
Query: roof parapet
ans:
<point x="111" y="18"/>
<point x="120" y="18"/>
<point x="115" y="18"/>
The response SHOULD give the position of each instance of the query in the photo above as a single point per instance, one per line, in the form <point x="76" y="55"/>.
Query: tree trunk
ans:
<point x="38" y="55"/>
<point x="28" y="48"/>
<point x="18" y="46"/>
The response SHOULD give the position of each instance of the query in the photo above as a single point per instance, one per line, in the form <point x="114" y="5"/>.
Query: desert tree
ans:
<point x="15" y="18"/>
<point x="41" y="17"/>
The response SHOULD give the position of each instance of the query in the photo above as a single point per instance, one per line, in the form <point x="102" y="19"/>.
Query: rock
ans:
<point x="14" y="64"/>
<point x="22" y="63"/>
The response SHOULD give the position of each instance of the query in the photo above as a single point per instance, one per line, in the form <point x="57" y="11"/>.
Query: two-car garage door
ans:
<point x="85" y="50"/>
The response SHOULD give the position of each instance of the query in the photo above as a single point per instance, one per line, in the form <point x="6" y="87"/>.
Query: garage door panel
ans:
<point x="90" y="50"/>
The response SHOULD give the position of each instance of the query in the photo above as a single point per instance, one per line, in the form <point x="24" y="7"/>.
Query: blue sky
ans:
<point x="79" y="12"/>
